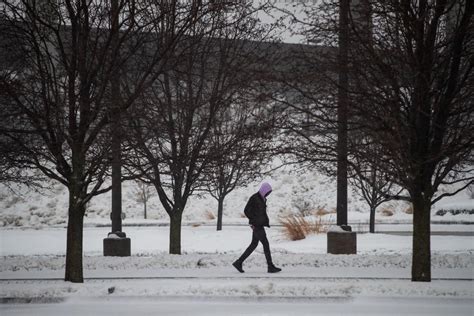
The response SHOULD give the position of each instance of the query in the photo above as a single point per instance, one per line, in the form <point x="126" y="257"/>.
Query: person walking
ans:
<point x="256" y="211"/>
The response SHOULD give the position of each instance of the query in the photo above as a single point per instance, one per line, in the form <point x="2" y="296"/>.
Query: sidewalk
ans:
<point x="224" y="282"/>
<point x="216" y="273"/>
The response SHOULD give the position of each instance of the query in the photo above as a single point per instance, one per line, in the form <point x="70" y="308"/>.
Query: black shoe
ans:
<point x="238" y="266"/>
<point x="273" y="269"/>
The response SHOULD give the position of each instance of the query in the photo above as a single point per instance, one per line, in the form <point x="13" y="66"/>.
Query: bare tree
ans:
<point x="373" y="185"/>
<point x="143" y="193"/>
<point x="172" y="125"/>
<point x="413" y="87"/>
<point x="61" y="89"/>
<point x="242" y="140"/>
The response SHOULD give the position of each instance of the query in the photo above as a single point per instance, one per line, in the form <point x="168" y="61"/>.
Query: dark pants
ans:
<point x="258" y="235"/>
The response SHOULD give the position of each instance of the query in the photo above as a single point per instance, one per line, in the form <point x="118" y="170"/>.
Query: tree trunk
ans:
<point x="74" y="240"/>
<point x="175" y="233"/>
<point x="144" y="207"/>
<point x="372" y="220"/>
<point x="421" y="261"/>
<point x="220" y="212"/>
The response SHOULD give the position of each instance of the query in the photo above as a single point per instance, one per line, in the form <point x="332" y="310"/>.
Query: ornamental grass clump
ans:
<point x="297" y="227"/>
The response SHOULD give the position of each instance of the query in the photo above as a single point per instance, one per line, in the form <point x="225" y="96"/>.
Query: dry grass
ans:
<point x="386" y="212"/>
<point x="321" y="211"/>
<point x="294" y="227"/>
<point x="209" y="215"/>
<point x="409" y="209"/>
<point x="297" y="227"/>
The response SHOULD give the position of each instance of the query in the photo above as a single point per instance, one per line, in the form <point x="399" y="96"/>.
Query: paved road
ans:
<point x="239" y="306"/>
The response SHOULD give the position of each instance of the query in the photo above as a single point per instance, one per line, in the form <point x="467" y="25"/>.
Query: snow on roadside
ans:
<point x="205" y="268"/>
<point x="239" y="288"/>
<point x="153" y="263"/>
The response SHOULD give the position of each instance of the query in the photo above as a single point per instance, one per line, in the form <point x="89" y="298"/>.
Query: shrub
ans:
<point x="13" y="201"/>
<point x="302" y="199"/>
<point x="304" y="207"/>
<point x="443" y="212"/>
<point x="12" y="220"/>
<point x="52" y="204"/>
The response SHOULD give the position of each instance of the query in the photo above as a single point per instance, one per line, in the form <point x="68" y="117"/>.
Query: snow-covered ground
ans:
<point x="292" y="192"/>
<point x="32" y="266"/>
<point x="376" y="281"/>
<point x="202" y="281"/>
<point x="205" y="239"/>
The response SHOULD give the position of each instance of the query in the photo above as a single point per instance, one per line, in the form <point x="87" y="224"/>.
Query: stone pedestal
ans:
<point x="117" y="246"/>
<point x="342" y="242"/>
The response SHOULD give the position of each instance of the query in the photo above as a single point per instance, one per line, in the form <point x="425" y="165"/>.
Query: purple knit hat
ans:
<point x="265" y="189"/>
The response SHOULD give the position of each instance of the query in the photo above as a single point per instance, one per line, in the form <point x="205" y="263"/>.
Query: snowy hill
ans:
<point x="292" y="192"/>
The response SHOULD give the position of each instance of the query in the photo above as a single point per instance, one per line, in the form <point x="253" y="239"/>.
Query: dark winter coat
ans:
<point x="256" y="211"/>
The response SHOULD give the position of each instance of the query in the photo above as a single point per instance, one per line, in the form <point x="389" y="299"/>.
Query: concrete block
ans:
<point x="119" y="247"/>
<point x="342" y="242"/>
